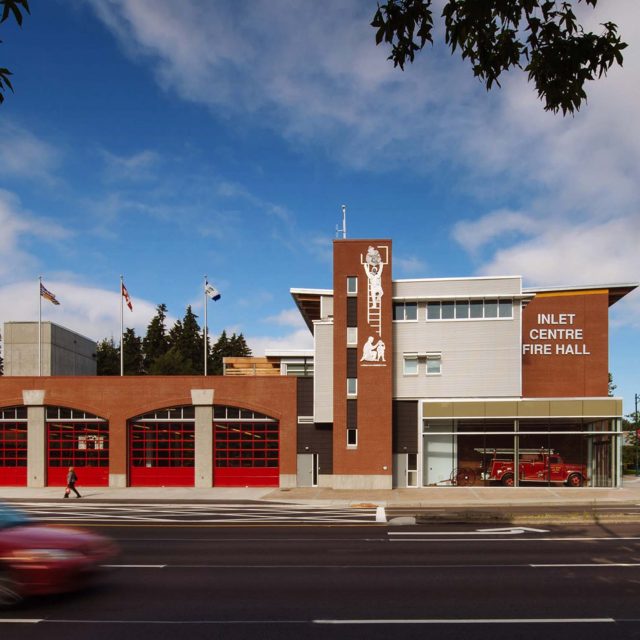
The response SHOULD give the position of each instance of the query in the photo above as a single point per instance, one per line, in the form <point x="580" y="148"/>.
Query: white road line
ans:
<point x="473" y="621"/>
<point x="593" y="564"/>
<point x="135" y="566"/>
<point x="512" y="539"/>
<point x="20" y="620"/>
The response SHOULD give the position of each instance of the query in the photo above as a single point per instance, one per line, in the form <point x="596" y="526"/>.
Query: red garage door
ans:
<point x="161" y="448"/>
<point x="80" y="440"/>
<point x="246" y="449"/>
<point x="13" y="446"/>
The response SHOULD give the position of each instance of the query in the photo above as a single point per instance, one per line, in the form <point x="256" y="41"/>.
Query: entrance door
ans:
<point x="307" y="470"/>
<point x="439" y="454"/>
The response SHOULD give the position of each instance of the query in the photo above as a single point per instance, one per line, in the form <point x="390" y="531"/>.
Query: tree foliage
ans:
<point x="179" y="351"/>
<point x="155" y="344"/>
<point x="542" y="37"/>
<point x="15" y="9"/>
<point x="108" y="358"/>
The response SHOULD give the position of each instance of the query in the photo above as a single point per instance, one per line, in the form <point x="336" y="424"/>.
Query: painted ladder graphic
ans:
<point x="374" y="317"/>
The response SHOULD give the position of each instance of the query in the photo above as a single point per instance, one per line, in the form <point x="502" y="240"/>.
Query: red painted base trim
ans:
<point x="161" y="477"/>
<point x="13" y="476"/>
<point x="87" y="476"/>
<point x="246" y="477"/>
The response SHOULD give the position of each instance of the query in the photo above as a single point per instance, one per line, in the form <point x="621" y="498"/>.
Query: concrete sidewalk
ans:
<point x="428" y="497"/>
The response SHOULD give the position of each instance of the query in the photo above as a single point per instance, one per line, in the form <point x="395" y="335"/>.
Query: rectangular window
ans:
<point x="405" y="310"/>
<point x="433" y="311"/>
<point x="434" y="364"/>
<point x="352" y="285"/>
<point x="352" y="438"/>
<point x="410" y="366"/>
<point x="448" y="310"/>
<point x="352" y="335"/>
<point x="462" y="309"/>
<point x="352" y="387"/>
<point x="476" y="310"/>
<point x="505" y="308"/>
<point x="490" y="308"/>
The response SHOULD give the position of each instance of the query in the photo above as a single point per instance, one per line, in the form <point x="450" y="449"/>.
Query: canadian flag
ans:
<point x="127" y="298"/>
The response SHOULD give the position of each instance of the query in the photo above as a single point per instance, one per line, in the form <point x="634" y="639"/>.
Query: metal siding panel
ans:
<point x="323" y="373"/>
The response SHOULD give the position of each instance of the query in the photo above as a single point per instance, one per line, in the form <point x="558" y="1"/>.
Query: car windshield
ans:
<point x="11" y="518"/>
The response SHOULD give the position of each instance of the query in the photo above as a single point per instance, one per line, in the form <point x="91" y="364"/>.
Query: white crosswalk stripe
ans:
<point x="184" y="513"/>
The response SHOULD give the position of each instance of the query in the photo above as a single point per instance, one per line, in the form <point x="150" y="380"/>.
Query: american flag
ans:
<point x="127" y="298"/>
<point x="47" y="295"/>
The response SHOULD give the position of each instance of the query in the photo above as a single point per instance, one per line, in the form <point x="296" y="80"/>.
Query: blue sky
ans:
<point x="165" y="141"/>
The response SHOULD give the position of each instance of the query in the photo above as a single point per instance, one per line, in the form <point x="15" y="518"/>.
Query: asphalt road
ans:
<point x="186" y="580"/>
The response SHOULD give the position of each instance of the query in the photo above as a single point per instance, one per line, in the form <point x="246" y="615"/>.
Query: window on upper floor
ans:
<point x="434" y="364"/>
<point x="488" y="309"/>
<point x="352" y="285"/>
<point x="410" y="366"/>
<point x="405" y="310"/>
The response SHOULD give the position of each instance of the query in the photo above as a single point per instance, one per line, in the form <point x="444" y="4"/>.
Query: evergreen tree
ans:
<point x="186" y="338"/>
<point x="133" y="356"/>
<point x="238" y="346"/>
<point x="156" y="341"/>
<point x="219" y="350"/>
<point x="171" y="363"/>
<point x="108" y="358"/>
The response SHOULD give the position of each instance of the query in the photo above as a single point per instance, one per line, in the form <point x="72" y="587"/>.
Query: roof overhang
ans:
<point x="308" y="303"/>
<point x="615" y="291"/>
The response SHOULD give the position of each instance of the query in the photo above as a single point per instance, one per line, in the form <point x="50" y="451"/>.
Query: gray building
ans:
<point x="63" y="352"/>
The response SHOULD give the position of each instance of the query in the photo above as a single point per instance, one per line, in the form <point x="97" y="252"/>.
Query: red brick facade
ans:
<point x="565" y="345"/>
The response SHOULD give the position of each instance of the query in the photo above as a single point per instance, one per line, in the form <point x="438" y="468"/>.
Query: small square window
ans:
<point x="462" y="309"/>
<point x="477" y="309"/>
<point x="490" y="308"/>
<point x="352" y="386"/>
<point x="505" y="308"/>
<point x="448" y="310"/>
<point x="410" y="366"/>
<point x="433" y="311"/>
<point x="352" y="285"/>
<point x="434" y="365"/>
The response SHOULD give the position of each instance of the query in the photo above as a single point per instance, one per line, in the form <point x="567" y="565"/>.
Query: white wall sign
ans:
<point x="558" y="327"/>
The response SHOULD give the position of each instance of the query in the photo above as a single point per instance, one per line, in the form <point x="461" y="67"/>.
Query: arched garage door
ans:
<point x="161" y="448"/>
<point x="13" y="446"/>
<point x="246" y="448"/>
<point x="77" y="439"/>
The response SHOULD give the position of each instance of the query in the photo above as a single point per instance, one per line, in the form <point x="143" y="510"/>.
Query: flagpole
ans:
<point x="40" y="326"/>
<point x="205" y="325"/>
<point x="121" y="329"/>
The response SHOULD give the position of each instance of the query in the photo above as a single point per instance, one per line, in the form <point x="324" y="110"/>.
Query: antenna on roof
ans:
<point x="343" y="231"/>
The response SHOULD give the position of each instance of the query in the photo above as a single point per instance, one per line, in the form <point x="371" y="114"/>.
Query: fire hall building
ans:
<point x="411" y="383"/>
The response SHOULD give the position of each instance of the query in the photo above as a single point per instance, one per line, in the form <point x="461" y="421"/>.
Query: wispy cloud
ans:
<point x="20" y="229"/>
<point x="24" y="155"/>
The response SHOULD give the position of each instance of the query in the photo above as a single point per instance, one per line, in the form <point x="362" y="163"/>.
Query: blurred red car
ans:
<point x="37" y="559"/>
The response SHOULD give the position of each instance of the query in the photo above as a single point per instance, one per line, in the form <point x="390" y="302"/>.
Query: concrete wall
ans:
<point x="64" y="352"/>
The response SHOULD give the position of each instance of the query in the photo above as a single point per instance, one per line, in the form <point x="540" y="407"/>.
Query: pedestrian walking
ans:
<point x="72" y="478"/>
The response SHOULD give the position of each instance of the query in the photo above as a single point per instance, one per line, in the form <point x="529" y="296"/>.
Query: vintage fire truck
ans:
<point x="535" y="465"/>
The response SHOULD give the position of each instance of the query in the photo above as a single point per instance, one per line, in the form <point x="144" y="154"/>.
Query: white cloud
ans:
<point x="288" y="318"/>
<point x="24" y="155"/>
<point x="134" y="167"/>
<point x="90" y="311"/>
<point x="410" y="266"/>
<point x="474" y="234"/>
<point x="18" y="228"/>
<point x="301" y="339"/>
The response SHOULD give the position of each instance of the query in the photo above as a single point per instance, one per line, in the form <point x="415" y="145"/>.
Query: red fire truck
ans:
<point x="535" y="465"/>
